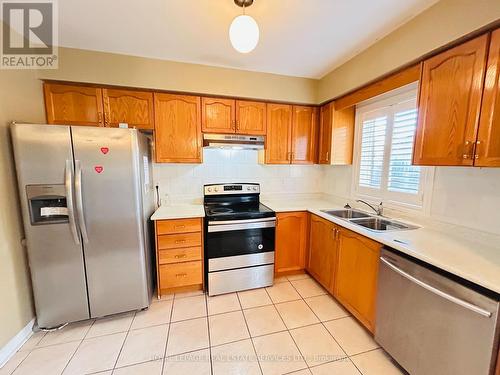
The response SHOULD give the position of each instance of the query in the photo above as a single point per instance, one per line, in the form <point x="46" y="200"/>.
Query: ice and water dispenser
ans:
<point x="47" y="204"/>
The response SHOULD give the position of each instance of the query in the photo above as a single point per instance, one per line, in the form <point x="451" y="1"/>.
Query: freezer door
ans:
<point x="109" y="205"/>
<point x="44" y="163"/>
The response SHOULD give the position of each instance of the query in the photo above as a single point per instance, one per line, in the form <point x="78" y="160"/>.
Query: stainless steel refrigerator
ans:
<point x="86" y="196"/>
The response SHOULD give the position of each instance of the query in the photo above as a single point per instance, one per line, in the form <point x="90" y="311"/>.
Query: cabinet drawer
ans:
<point x="173" y="241"/>
<point x="179" y="255"/>
<point x="180" y="274"/>
<point x="178" y="226"/>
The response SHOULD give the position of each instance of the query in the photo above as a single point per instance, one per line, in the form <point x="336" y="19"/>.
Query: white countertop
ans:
<point x="178" y="211"/>
<point x="464" y="256"/>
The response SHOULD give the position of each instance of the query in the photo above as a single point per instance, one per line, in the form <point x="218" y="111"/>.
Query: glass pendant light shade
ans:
<point x="244" y="33"/>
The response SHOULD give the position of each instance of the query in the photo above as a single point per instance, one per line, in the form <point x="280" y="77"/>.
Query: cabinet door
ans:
<point x="342" y="136"/>
<point x="279" y="133"/>
<point x="304" y="135"/>
<point x="291" y="241"/>
<point x="356" y="276"/>
<point x="177" y="128"/>
<point x="218" y="115"/>
<point x="250" y="117"/>
<point x="449" y="104"/>
<point x="128" y="106"/>
<point x="325" y="133"/>
<point x="73" y="105"/>
<point x="488" y="140"/>
<point x="322" y="251"/>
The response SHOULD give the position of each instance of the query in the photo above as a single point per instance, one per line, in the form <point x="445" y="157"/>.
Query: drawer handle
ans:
<point x="181" y="274"/>
<point x="180" y="256"/>
<point x="180" y="241"/>
<point x="179" y="226"/>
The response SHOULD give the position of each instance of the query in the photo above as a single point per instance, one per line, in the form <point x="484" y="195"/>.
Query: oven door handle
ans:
<point x="243" y="226"/>
<point x="246" y="221"/>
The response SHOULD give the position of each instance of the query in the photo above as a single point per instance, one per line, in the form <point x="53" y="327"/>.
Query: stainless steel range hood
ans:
<point x="233" y="141"/>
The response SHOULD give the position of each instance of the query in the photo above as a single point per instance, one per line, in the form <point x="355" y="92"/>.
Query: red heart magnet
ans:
<point x="104" y="150"/>
<point x="98" y="168"/>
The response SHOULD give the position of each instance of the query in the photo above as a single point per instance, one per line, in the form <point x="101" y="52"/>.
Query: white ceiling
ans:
<point x="305" y="38"/>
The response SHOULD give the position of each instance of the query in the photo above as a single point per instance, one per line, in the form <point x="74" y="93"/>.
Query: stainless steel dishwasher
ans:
<point x="434" y="324"/>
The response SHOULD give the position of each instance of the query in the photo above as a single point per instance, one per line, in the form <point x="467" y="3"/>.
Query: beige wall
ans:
<point x="442" y="23"/>
<point x="20" y="99"/>
<point x="99" y="67"/>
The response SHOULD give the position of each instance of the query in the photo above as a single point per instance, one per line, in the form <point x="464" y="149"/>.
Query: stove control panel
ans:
<point x="227" y="189"/>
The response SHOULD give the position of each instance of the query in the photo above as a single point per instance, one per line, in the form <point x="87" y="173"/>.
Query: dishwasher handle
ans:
<point x="436" y="291"/>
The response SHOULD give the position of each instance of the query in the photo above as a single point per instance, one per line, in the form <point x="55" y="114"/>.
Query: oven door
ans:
<point x="240" y="237"/>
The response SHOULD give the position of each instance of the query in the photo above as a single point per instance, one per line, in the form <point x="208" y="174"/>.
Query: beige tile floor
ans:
<point x="293" y="327"/>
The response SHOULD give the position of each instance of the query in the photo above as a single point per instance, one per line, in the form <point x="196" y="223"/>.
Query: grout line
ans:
<point x="123" y="343"/>
<point x="78" y="347"/>
<point x="249" y="334"/>
<point x="209" y="338"/>
<point x="168" y="335"/>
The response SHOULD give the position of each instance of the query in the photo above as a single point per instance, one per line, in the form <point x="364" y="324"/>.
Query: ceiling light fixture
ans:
<point x="244" y="31"/>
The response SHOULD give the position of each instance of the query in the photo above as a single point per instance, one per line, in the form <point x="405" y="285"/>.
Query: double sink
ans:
<point x="375" y="223"/>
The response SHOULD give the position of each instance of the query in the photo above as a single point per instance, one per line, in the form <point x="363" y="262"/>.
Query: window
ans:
<point x="385" y="134"/>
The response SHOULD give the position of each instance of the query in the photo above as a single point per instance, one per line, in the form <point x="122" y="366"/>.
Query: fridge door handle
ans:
<point x="79" y="200"/>
<point x="68" y="183"/>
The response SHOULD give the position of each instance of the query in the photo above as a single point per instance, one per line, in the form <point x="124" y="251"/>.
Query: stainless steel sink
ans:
<point x="346" y="214"/>
<point x="381" y="224"/>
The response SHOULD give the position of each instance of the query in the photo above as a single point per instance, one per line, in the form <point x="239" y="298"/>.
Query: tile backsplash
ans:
<point x="185" y="181"/>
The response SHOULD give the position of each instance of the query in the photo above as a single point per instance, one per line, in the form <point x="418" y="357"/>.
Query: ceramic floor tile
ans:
<point x="298" y="276"/>
<point x="317" y="345"/>
<point x="263" y="320"/>
<point x="165" y="297"/>
<point x="156" y="314"/>
<point x="308" y="288"/>
<point x="280" y="279"/>
<point x="296" y="314"/>
<point x="227" y="327"/>
<point x="254" y="298"/>
<point x="33" y="341"/>
<point x="147" y="368"/>
<point x="14" y="361"/>
<point x="351" y="336"/>
<point x="282" y="292"/>
<point x="376" y="362"/>
<point x="189" y="308"/>
<point x="326" y="308"/>
<point x="223" y="303"/>
<point x="49" y="360"/>
<point x="187" y="336"/>
<point x="189" y="294"/>
<point x="142" y="345"/>
<point x="72" y="332"/>
<point x="196" y="363"/>
<point x="302" y="372"/>
<point x="235" y="358"/>
<point x="111" y="324"/>
<point x="278" y="354"/>
<point x="341" y="367"/>
<point x="96" y="354"/>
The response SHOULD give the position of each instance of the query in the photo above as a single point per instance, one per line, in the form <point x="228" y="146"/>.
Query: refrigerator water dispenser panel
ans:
<point x="47" y="204"/>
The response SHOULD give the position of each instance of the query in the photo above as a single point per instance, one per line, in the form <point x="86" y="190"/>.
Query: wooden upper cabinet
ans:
<point x="304" y="135"/>
<point x="177" y="128"/>
<point x="250" y="117"/>
<point x="488" y="139"/>
<point x="325" y="133"/>
<point x="73" y="105"/>
<point x="291" y="241"/>
<point x="322" y="251"/>
<point x="449" y="104"/>
<point x="356" y="276"/>
<point x="218" y="115"/>
<point x="336" y="135"/>
<point x="279" y="134"/>
<point x="132" y="107"/>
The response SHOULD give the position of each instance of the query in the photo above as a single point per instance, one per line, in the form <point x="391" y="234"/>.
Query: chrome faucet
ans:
<point x="379" y="210"/>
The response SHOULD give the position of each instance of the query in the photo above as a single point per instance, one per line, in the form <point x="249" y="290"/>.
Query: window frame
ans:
<point x="392" y="199"/>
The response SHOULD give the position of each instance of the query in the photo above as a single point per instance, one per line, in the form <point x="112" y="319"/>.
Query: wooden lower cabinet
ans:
<point x="292" y="233"/>
<point x="179" y="255"/>
<point x="356" y="275"/>
<point x="322" y="251"/>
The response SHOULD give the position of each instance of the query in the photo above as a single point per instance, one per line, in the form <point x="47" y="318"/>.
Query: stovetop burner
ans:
<point x="221" y="210"/>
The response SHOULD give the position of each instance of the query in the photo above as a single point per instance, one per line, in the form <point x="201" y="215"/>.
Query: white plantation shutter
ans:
<point x="372" y="152"/>
<point x="386" y="132"/>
